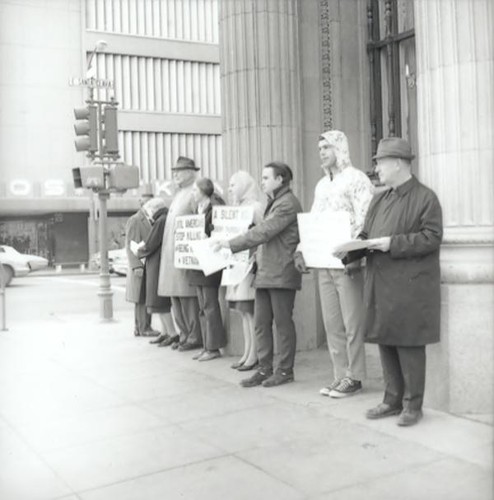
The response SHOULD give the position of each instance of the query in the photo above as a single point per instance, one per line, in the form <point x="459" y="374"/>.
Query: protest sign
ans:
<point x="320" y="233"/>
<point x="210" y="261"/>
<point x="228" y="222"/>
<point x="188" y="228"/>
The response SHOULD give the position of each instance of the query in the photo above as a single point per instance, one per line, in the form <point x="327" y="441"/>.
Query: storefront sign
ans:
<point x="20" y="187"/>
<point x="54" y="187"/>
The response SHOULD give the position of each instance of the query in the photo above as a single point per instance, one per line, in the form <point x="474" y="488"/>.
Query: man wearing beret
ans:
<point x="173" y="282"/>
<point x="402" y="283"/>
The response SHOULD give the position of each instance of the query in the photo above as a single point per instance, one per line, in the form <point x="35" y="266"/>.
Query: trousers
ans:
<point x="213" y="331"/>
<point x="186" y="314"/>
<point x="275" y="304"/>
<point x="404" y="375"/>
<point x="142" y="319"/>
<point x="342" y="314"/>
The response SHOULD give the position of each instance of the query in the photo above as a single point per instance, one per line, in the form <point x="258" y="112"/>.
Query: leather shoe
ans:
<point x="257" y="379"/>
<point x="199" y="354"/>
<point x="409" y="417"/>
<point x="159" y="339"/>
<point x="150" y="333"/>
<point x="278" y="378"/>
<point x="169" y="341"/>
<point x="188" y="347"/>
<point x="246" y="368"/>
<point x="209" y="355"/>
<point x="382" y="410"/>
<point x="237" y="365"/>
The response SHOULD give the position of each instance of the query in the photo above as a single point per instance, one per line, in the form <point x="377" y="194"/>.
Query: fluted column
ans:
<point x="455" y="74"/>
<point x="455" y="95"/>
<point x="260" y="81"/>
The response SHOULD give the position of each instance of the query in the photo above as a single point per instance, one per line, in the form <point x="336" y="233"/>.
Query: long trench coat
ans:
<point x="277" y="236"/>
<point x="402" y="287"/>
<point x="152" y="253"/>
<point x="137" y="229"/>
<point x="174" y="282"/>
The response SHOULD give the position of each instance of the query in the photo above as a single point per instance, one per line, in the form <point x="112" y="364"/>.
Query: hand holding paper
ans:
<point x="134" y="246"/>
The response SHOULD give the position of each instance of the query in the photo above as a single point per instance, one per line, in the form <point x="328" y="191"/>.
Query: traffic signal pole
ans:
<point x="105" y="292"/>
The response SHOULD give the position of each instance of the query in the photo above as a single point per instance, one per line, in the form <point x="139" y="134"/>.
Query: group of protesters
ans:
<point x="384" y="291"/>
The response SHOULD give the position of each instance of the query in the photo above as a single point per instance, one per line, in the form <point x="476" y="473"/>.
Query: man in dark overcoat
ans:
<point x="137" y="229"/>
<point x="277" y="280"/>
<point x="402" y="283"/>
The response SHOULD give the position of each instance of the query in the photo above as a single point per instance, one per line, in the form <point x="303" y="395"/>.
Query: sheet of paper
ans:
<point x="236" y="273"/>
<point x="134" y="246"/>
<point x="210" y="261"/>
<point x="320" y="233"/>
<point x="351" y="245"/>
<point x="188" y="229"/>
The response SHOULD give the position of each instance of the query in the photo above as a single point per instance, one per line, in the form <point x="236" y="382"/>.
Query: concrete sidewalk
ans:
<point x="88" y="411"/>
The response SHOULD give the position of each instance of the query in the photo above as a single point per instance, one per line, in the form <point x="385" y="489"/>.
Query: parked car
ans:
<point x="18" y="264"/>
<point x="117" y="261"/>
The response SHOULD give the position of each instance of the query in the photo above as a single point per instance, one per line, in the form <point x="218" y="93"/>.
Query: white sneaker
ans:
<point x="346" y="387"/>
<point x="326" y="390"/>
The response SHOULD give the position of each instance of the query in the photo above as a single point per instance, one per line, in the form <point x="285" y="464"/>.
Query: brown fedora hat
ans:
<point x="184" y="163"/>
<point x="394" y="147"/>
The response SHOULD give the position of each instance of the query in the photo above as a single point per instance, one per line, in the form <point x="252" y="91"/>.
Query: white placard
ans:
<point x="228" y="222"/>
<point x="188" y="228"/>
<point x="320" y="233"/>
<point x="210" y="261"/>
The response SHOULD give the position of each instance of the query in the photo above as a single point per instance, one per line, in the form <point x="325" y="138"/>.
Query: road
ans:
<point x="42" y="297"/>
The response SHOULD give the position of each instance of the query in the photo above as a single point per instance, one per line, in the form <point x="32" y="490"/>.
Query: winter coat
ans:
<point x="152" y="253"/>
<point x="197" y="278"/>
<point x="277" y="236"/>
<point x="174" y="282"/>
<point x="137" y="229"/>
<point x="402" y="287"/>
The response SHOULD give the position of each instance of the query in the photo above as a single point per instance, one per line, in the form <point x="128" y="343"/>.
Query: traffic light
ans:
<point x="86" y="128"/>
<point x="91" y="177"/>
<point x="109" y="130"/>
<point x="122" y="177"/>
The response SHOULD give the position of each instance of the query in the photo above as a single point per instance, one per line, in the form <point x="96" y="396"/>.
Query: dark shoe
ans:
<point x="136" y="333"/>
<point x="159" y="339"/>
<point x="409" y="417"/>
<point x="169" y="341"/>
<point x="347" y="387"/>
<point x="176" y="345"/>
<point x="382" y="410"/>
<point x="326" y="391"/>
<point x="246" y="368"/>
<point x="188" y="347"/>
<point x="278" y="378"/>
<point x="257" y="379"/>
<point x="150" y="333"/>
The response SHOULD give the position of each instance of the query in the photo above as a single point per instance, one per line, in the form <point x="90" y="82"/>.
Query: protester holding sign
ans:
<point x="277" y="280"/>
<point x="174" y="282"/>
<point x="213" y="331"/>
<point x="244" y="192"/>
<point x="344" y="191"/>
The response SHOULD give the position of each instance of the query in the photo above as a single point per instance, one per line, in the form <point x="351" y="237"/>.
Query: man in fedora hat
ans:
<point x="402" y="282"/>
<point x="173" y="282"/>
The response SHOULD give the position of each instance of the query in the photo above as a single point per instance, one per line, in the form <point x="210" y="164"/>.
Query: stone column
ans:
<point x="261" y="111"/>
<point x="455" y="95"/>
<point x="260" y="82"/>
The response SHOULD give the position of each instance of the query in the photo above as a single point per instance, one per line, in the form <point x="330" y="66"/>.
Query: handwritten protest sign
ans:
<point x="320" y="233"/>
<point x="228" y="222"/>
<point x="188" y="228"/>
<point x="209" y="260"/>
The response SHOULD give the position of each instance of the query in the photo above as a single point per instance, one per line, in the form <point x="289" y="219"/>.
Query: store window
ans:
<point x="391" y="52"/>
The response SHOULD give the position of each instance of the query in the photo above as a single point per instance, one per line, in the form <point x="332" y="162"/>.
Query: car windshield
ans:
<point x="8" y="249"/>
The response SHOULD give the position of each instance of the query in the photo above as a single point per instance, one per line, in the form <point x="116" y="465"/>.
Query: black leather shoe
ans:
<point x="409" y="417"/>
<point x="159" y="339"/>
<point x="150" y="333"/>
<point x="169" y="341"/>
<point x="188" y="347"/>
<point x="278" y="378"/>
<point x="247" y="368"/>
<point x="257" y="379"/>
<point x="382" y="410"/>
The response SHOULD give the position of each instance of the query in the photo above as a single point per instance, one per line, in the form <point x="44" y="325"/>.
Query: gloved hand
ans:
<point x="299" y="262"/>
<point x="352" y="267"/>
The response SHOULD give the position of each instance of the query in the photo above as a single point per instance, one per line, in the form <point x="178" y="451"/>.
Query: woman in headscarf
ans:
<point x="243" y="191"/>
<point x="213" y="331"/>
<point x="156" y="211"/>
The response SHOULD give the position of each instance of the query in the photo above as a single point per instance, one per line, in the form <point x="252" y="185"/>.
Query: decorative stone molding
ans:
<point x="327" y="90"/>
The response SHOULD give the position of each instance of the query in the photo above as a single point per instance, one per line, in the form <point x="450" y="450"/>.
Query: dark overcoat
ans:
<point x="402" y="287"/>
<point x="197" y="278"/>
<point x="152" y="253"/>
<point x="137" y="229"/>
<point x="277" y="237"/>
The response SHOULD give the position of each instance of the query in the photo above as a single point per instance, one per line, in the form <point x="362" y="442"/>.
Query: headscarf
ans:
<point x="246" y="187"/>
<point x="338" y="140"/>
